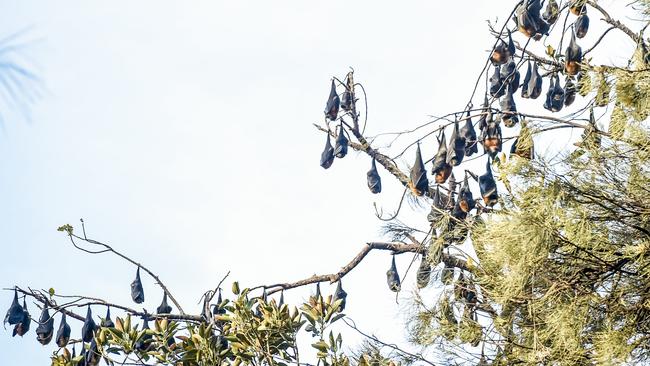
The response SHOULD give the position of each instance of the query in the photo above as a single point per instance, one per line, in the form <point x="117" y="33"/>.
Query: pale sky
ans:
<point x="182" y="133"/>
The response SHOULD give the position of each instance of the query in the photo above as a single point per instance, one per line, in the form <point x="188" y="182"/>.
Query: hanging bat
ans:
<point x="497" y="86"/>
<point x="327" y="156"/>
<point x="510" y="76"/>
<point x="437" y="206"/>
<point x="346" y="101"/>
<point x="107" y="322"/>
<point x="333" y="103"/>
<point x="524" y="86"/>
<point x="137" y="292"/>
<point x="503" y="51"/>
<point x="144" y="343"/>
<point x="573" y="56"/>
<point x="527" y="18"/>
<point x="45" y="329"/>
<point x="63" y="334"/>
<point x="424" y="273"/>
<point x="164" y="308"/>
<point x="554" y="96"/>
<point x="509" y="110"/>
<point x="374" y="180"/>
<point x="392" y="278"/>
<point x="491" y="137"/>
<point x="488" y="186"/>
<point x="582" y="25"/>
<point x="419" y="183"/>
<point x="93" y="356"/>
<point x="456" y="150"/>
<point x="535" y="84"/>
<point x="569" y="92"/>
<point x="577" y="6"/>
<point x="16" y="312"/>
<point x="340" y="294"/>
<point x="23" y="327"/>
<point x="465" y="198"/>
<point x="281" y="301"/>
<point x="517" y="150"/>
<point x="89" y="327"/>
<point x="341" y="147"/>
<point x="551" y="13"/>
<point x="469" y="134"/>
<point x="317" y="295"/>
<point x="441" y="168"/>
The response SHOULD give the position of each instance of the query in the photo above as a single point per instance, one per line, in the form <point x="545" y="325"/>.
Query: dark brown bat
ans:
<point x="92" y="356"/>
<point x="143" y="344"/>
<point x="137" y="292"/>
<point x="327" y="156"/>
<point x="374" y="180"/>
<point x="340" y="294"/>
<point x="424" y="273"/>
<point x="515" y="149"/>
<point x="491" y="137"/>
<point x="469" y="134"/>
<point x="535" y="84"/>
<point x="555" y="95"/>
<point x="164" y="308"/>
<point x="392" y="277"/>
<point x="569" y="92"/>
<point x="45" y="329"/>
<point x="577" y="6"/>
<point x="488" y="186"/>
<point x="346" y="101"/>
<point x="497" y="85"/>
<point x="333" y="103"/>
<point x="23" y="327"/>
<point x="107" y="322"/>
<point x="581" y="25"/>
<point x="441" y="168"/>
<point x="551" y="12"/>
<point x="573" y="56"/>
<point x="15" y="313"/>
<point x="419" y="183"/>
<point x="456" y="150"/>
<point x="63" y="334"/>
<point x="88" y="329"/>
<point x="465" y="198"/>
<point x="509" y="110"/>
<point x="510" y="76"/>
<point x="341" y="147"/>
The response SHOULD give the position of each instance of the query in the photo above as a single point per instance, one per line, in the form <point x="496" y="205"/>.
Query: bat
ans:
<point x="346" y="101"/>
<point x="441" y="168"/>
<point x="577" y="6"/>
<point x="341" y="147"/>
<point x="327" y="156"/>
<point x="491" y="137"/>
<point x="45" y="329"/>
<point x="92" y="356"/>
<point x="333" y="103"/>
<point x="510" y="76"/>
<point x="535" y="83"/>
<point x="517" y="150"/>
<point x="465" y="198"/>
<point x="63" y="334"/>
<point x="456" y="150"/>
<point x="500" y="54"/>
<point x="551" y="13"/>
<point x="16" y="312"/>
<point x="144" y="343"/>
<point x="424" y="273"/>
<point x="509" y="110"/>
<point x="527" y="18"/>
<point x="374" y="180"/>
<point x="107" y="322"/>
<point x="23" y="327"/>
<point x="581" y="25"/>
<point x="137" y="292"/>
<point x="419" y="183"/>
<point x="497" y="86"/>
<point x="555" y="95"/>
<point x="524" y="85"/>
<point x="392" y="277"/>
<point x="482" y="121"/>
<point x="569" y="92"/>
<point x="573" y="56"/>
<point x="469" y="134"/>
<point x="488" y="186"/>
<point x="437" y="206"/>
<point x="340" y="294"/>
<point x="89" y="326"/>
<point x="281" y="301"/>
<point x="164" y="308"/>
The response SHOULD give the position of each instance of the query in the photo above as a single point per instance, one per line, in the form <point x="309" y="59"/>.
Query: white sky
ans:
<point x="182" y="133"/>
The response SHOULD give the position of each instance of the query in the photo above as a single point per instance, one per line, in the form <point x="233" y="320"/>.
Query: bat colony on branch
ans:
<point x="463" y="142"/>
<point x="504" y="81"/>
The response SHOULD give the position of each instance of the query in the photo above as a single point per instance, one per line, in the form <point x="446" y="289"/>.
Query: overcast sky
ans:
<point x="182" y="133"/>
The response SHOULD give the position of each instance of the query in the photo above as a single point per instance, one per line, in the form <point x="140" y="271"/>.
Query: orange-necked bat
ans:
<point x="488" y="186"/>
<point x="441" y="168"/>
<point x="573" y="56"/>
